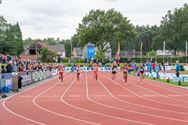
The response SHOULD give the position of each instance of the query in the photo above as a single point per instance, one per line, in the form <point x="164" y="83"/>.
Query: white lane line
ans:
<point x="18" y="115"/>
<point x="139" y="96"/>
<point x="157" y="102"/>
<point x="87" y="95"/>
<point x="21" y="116"/>
<point x="165" y="96"/>
<point x="158" y="85"/>
<point x="162" y="117"/>
<point x="58" y="114"/>
<point x="83" y="109"/>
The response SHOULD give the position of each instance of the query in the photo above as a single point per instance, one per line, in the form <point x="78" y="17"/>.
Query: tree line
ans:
<point x="110" y="27"/>
<point x="10" y="38"/>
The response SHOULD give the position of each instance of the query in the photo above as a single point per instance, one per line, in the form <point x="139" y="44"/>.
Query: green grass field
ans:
<point x="170" y="82"/>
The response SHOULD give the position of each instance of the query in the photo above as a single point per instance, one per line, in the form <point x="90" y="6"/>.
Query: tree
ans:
<point x="51" y="41"/>
<point x="100" y="56"/>
<point x="47" y="56"/>
<point x="148" y="36"/>
<point x="10" y="38"/>
<point x="102" y="27"/>
<point x="3" y="28"/>
<point x="151" y="53"/>
<point x="67" y="44"/>
<point x="175" y="28"/>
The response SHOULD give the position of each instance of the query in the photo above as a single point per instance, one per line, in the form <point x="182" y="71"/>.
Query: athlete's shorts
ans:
<point x="95" y="73"/>
<point x="60" y="73"/>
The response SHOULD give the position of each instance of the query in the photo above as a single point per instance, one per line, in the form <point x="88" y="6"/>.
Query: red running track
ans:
<point x="101" y="102"/>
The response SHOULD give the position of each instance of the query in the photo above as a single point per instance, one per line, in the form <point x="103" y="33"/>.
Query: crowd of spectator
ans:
<point x="11" y="64"/>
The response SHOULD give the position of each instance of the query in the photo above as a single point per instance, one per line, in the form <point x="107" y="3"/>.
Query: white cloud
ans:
<point x="60" y="18"/>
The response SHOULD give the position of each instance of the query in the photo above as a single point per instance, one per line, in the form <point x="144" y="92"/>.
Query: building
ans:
<point x="58" y="49"/>
<point x="166" y="53"/>
<point x="89" y="52"/>
<point x="33" y="50"/>
<point x="78" y="53"/>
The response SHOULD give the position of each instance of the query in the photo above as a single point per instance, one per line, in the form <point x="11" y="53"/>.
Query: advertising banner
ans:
<point x="6" y="82"/>
<point x="26" y="77"/>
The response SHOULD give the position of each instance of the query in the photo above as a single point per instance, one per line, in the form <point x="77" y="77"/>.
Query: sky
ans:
<point x="60" y="18"/>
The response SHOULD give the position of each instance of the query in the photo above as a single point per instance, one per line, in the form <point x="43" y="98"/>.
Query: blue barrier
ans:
<point x="6" y="82"/>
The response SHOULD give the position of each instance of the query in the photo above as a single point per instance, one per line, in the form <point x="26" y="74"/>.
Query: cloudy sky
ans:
<point x="60" y="18"/>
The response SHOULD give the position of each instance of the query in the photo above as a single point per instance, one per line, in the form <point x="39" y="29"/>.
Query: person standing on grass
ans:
<point x="95" y="71"/>
<point x="178" y="71"/>
<point x="125" y="72"/>
<point x="61" y="71"/>
<point x="141" y="70"/>
<point x="157" y="70"/>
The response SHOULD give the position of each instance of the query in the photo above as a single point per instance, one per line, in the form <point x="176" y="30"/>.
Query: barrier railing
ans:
<point x="5" y="82"/>
<point x="15" y="81"/>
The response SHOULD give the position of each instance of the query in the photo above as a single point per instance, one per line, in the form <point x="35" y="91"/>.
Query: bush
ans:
<point x="158" y="59"/>
<point x="64" y="60"/>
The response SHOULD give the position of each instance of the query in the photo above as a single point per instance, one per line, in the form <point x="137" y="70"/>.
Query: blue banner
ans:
<point x="90" y="53"/>
<point x="6" y="82"/>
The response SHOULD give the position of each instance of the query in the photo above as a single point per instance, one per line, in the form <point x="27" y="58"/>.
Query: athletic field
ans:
<point x="101" y="102"/>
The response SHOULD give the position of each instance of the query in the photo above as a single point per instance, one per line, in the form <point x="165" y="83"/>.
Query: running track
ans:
<point x="91" y="102"/>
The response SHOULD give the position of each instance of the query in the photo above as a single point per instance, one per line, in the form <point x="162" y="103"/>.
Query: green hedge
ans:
<point x="158" y="59"/>
<point x="64" y="60"/>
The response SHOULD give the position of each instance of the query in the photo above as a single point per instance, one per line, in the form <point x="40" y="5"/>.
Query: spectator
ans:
<point x="9" y="67"/>
<point x="177" y="69"/>
<point x="157" y="70"/>
<point x="4" y="59"/>
<point x="3" y="69"/>
<point x="178" y="72"/>
<point x="163" y="65"/>
<point x="1" y="59"/>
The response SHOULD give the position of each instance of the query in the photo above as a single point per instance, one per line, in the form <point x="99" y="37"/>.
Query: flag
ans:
<point x="118" y="52"/>
<point x="141" y="48"/>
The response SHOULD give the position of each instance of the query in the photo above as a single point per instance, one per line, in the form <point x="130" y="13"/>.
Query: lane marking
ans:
<point x="162" y="117"/>
<point x="33" y="87"/>
<point x="125" y="88"/>
<point x="63" y="101"/>
<point x="87" y="95"/>
<point x="55" y="113"/>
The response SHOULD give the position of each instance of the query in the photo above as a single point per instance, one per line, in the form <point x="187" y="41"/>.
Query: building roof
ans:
<point x="78" y="50"/>
<point x="90" y="44"/>
<point x="57" y="48"/>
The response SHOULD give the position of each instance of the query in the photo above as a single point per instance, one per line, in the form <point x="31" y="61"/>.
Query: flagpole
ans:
<point x="163" y="50"/>
<point x="186" y="51"/>
<point x="141" y="52"/>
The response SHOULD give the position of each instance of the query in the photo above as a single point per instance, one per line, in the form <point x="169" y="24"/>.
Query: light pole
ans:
<point x="36" y="50"/>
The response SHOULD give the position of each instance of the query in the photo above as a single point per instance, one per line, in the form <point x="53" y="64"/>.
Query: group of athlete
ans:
<point x="114" y="69"/>
<point x="61" y="70"/>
